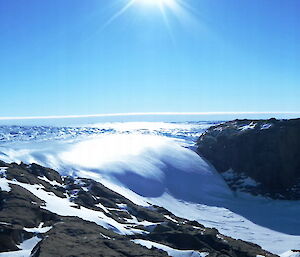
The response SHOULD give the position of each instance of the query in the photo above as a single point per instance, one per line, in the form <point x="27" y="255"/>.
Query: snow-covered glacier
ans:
<point x="155" y="162"/>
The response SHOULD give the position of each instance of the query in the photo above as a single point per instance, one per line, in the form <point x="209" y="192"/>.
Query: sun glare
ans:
<point x="177" y="7"/>
<point x="157" y="2"/>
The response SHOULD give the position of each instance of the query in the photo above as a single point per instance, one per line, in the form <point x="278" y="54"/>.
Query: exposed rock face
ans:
<point x="72" y="226"/>
<point x="267" y="151"/>
<point x="76" y="237"/>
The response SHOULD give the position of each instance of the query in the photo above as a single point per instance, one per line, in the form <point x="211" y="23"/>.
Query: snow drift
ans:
<point x="148" y="165"/>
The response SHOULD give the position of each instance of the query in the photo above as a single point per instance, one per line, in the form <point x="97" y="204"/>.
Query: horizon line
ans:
<point x="136" y="114"/>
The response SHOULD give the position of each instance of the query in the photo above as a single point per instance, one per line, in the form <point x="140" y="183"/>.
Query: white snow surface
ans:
<point x="40" y="229"/>
<point x="171" y="251"/>
<point x="53" y="183"/>
<point x="25" y="248"/>
<point x="265" y="126"/>
<point x="170" y="218"/>
<point x="64" y="207"/>
<point x="152" y="163"/>
<point x="290" y="254"/>
<point x="249" y="126"/>
<point x="4" y="185"/>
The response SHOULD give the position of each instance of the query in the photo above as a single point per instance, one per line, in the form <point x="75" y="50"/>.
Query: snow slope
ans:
<point x="171" y="251"/>
<point x="154" y="162"/>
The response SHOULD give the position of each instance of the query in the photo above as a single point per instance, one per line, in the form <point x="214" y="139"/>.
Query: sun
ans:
<point x="165" y="7"/>
<point x="157" y="2"/>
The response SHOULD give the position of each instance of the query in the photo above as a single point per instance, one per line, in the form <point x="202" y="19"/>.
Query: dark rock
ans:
<point x="21" y="207"/>
<point x="75" y="237"/>
<point x="185" y="237"/>
<point x="10" y="236"/>
<point x="267" y="151"/>
<point x="41" y="171"/>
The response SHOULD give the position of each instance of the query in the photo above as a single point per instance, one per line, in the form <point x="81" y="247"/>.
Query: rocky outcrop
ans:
<point x="259" y="156"/>
<point x="67" y="216"/>
<point x="76" y="237"/>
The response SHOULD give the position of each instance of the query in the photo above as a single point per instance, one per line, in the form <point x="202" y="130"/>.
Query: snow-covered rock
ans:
<point x="267" y="151"/>
<point x="81" y="217"/>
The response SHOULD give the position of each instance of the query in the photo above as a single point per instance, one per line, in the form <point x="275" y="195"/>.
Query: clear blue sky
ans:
<point x="61" y="57"/>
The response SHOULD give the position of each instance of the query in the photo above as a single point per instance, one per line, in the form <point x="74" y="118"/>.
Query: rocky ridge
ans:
<point x="44" y="214"/>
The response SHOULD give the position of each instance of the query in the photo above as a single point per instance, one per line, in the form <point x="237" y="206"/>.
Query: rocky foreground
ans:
<point x="43" y="215"/>
<point x="257" y="156"/>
